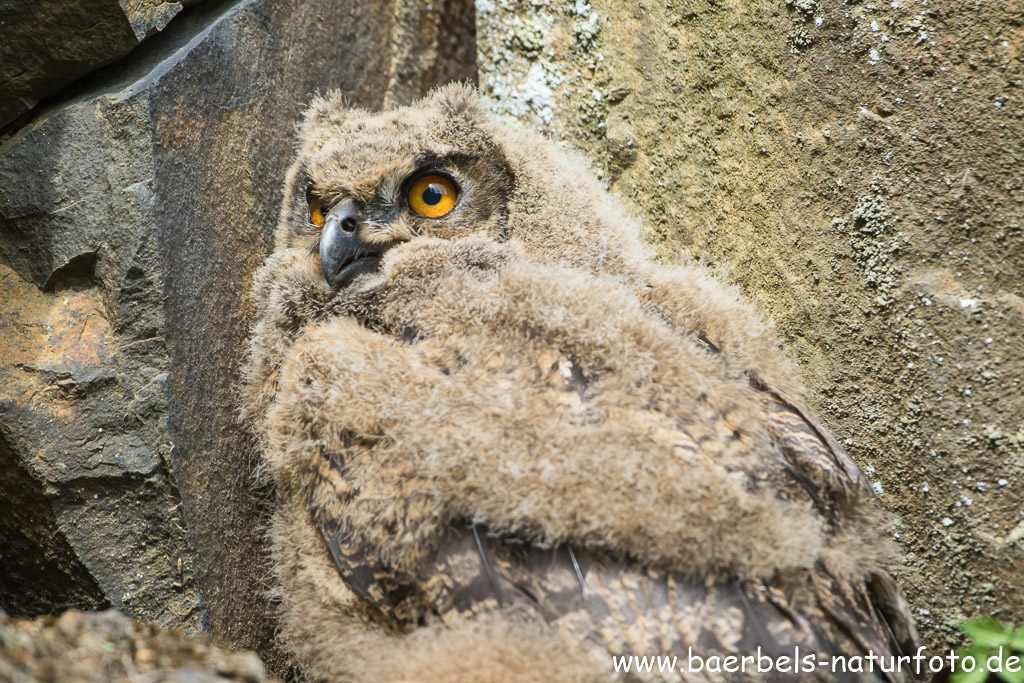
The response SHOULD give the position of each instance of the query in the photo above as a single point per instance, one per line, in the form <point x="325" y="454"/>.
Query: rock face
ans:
<point x="83" y="448"/>
<point x="131" y="218"/>
<point x="108" y="646"/>
<point x="855" y="169"/>
<point x="49" y="43"/>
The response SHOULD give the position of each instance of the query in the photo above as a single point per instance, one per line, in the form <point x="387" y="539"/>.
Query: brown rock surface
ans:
<point x="132" y="215"/>
<point x="856" y="169"/>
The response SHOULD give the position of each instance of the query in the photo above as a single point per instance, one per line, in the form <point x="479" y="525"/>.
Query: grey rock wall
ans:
<point x="132" y="215"/>
<point x="49" y="43"/>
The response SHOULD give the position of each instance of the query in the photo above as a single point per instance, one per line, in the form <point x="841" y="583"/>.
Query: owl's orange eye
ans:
<point x="432" y="195"/>
<point x="316" y="216"/>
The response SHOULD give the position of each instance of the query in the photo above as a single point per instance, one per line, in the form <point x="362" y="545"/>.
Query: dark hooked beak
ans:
<point x="342" y="255"/>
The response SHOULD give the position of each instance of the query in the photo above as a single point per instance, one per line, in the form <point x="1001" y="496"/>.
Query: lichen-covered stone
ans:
<point x="856" y="169"/>
<point x="108" y="646"/>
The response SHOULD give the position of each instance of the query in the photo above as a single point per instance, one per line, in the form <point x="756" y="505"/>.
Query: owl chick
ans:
<point x="506" y="446"/>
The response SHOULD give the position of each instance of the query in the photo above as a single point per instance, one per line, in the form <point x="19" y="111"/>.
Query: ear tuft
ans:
<point x="459" y="100"/>
<point x="325" y="114"/>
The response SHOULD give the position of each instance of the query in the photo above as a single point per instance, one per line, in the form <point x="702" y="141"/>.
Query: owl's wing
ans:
<point x="629" y="610"/>
<point x="818" y="463"/>
<point x="812" y="457"/>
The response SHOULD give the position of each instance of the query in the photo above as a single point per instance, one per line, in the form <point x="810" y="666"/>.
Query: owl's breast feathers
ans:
<point x="543" y="444"/>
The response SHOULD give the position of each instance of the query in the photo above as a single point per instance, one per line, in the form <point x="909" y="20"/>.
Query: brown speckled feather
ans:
<point x="628" y="609"/>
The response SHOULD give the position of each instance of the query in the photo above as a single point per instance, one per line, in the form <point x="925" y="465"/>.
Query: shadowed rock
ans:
<point x="131" y="219"/>
<point x="49" y="43"/>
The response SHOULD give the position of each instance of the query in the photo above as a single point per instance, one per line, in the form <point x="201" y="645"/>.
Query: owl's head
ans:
<point x="366" y="183"/>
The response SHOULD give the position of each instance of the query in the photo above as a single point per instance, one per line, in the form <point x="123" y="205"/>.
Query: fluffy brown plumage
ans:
<point x="507" y="446"/>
